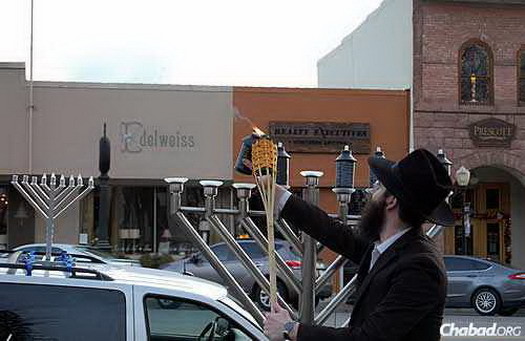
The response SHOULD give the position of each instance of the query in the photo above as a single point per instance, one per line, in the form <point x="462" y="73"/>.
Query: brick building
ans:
<point x="464" y="62"/>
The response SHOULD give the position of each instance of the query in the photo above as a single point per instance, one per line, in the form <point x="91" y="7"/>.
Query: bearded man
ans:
<point x="401" y="281"/>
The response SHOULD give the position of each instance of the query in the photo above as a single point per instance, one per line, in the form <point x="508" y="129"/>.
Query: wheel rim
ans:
<point x="486" y="302"/>
<point x="264" y="299"/>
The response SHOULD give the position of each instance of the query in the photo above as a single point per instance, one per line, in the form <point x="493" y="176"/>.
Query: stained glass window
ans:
<point x="521" y="79"/>
<point x="475" y="74"/>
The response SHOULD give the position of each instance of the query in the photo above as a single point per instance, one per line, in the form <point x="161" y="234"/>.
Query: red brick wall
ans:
<point x="440" y="29"/>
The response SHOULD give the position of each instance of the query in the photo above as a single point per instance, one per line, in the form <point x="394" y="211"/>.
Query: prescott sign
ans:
<point x="492" y="132"/>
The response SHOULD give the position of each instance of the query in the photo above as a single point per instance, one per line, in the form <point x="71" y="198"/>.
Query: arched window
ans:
<point x="475" y="58"/>
<point x="521" y="76"/>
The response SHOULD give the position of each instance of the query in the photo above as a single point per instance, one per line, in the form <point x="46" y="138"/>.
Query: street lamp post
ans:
<point x="463" y="179"/>
<point x="105" y="193"/>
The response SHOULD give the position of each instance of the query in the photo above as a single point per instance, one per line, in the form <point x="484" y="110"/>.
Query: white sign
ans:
<point x="450" y="329"/>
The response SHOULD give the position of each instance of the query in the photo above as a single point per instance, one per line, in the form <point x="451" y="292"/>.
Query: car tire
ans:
<point x="508" y="311"/>
<point x="486" y="301"/>
<point x="263" y="300"/>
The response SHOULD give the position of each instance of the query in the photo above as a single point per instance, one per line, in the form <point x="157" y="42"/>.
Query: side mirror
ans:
<point x="222" y="327"/>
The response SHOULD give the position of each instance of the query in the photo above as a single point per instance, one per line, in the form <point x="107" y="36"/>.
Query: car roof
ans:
<point x="142" y="277"/>
<point x="165" y="279"/>
<point x="55" y="245"/>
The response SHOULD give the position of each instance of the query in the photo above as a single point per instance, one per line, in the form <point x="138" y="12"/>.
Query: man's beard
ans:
<point x="372" y="219"/>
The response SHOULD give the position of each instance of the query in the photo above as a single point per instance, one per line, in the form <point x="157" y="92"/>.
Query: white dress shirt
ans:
<point x="380" y="248"/>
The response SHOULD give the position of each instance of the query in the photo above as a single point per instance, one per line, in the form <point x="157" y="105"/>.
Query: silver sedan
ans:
<point x="489" y="287"/>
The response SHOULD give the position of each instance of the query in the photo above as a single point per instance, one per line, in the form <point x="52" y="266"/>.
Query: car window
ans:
<point x="222" y="252"/>
<point x="172" y="318"/>
<point x="256" y="252"/>
<point x="45" y="312"/>
<point x="463" y="264"/>
<point x="98" y="253"/>
<point x="253" y="250"/>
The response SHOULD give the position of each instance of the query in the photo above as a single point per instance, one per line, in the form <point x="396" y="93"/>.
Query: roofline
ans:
<point x="345" y="91"/>
<point x="486" y="2"/>
<point x="131" y="86"/>
<point x="13" y="65"/>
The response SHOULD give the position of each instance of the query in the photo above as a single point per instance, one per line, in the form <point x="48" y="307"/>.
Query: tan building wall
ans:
<point x="13" y="115"/>
<point x="155" y="131"/>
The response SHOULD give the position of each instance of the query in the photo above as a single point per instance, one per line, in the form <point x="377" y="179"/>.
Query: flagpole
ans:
<point x="31" y="102"/>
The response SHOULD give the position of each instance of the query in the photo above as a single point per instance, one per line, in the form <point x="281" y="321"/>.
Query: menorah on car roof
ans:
<point x="50" y="199"/>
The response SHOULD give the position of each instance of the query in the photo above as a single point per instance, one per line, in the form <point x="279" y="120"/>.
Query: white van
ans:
<point x="117" y="303"/>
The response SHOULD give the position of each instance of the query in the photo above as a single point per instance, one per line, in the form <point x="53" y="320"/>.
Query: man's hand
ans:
<point x="281" y="194"/>
<point x="265" y="180"/>
<point x="274" y="323"/>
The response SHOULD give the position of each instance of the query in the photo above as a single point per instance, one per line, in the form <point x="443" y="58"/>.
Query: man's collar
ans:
<point x="382" y="247"/>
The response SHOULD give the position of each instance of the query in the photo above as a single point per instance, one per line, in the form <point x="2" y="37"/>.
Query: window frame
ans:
<point x="190" y="301"/>
<point x="464" y="46"/>
<point x="519" y="76"/>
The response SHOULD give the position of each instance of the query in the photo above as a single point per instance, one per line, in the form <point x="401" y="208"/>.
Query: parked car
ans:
<point x="485" y="285"/>
<point x="198" y="266"/>
<point x="111" y="302"/>
<point x="104" y="257"/>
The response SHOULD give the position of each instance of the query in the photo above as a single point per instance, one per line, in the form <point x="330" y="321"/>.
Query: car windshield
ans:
<point x="97" y="253"/>
<point x="234" y="304"/>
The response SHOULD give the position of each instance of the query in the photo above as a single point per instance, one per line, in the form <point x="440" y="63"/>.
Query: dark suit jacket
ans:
<point x="403" y="296"/>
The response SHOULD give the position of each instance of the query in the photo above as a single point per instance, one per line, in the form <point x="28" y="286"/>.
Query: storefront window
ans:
<point x="4" y="203"/>
<point x="493" y="239"/>
<point x="140" y="218"/>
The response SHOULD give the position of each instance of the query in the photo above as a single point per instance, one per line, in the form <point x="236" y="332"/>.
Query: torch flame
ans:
<point x="258" y="131"/>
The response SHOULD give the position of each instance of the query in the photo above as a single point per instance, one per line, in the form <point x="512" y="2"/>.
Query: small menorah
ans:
<point x="51" y="200"/>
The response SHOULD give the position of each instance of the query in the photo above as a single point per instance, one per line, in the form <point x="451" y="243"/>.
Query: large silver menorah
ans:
<point x="51" y="200"/>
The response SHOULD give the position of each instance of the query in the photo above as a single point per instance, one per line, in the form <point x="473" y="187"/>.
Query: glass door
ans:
<point x="493" y="241"/>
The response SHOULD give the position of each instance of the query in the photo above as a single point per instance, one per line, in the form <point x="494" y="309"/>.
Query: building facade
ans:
<point x="468" y="92"/>
<point x="158" y="131"/>
<point x="383" y="116"/>
<point x="155" y="131"/>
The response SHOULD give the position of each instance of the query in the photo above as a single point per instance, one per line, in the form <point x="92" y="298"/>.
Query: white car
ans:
<point x="87" y="250"/>
<point x="108" y="302"/>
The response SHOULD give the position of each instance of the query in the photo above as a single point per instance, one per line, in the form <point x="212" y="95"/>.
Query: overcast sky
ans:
<point x="205" y="42"/>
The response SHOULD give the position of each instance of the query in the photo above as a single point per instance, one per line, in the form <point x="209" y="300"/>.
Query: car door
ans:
<point x="462" y="275"/>
<point x="169" y="315"/>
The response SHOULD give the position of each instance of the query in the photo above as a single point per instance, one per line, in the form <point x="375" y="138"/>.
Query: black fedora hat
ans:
<point x="420" y="181"/>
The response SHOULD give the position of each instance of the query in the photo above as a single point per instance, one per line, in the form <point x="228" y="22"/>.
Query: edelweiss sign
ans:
<point x="495" y="330"/>
<point x="135" y="138"/>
